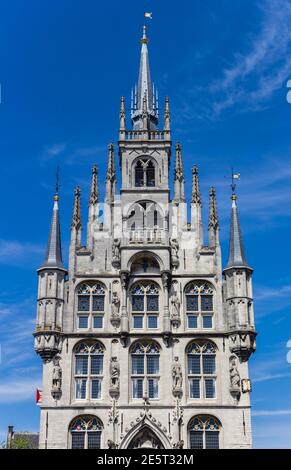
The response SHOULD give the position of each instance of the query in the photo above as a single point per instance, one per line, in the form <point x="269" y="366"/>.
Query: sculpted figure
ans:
<point x="114" y="373"/>
<point x="57" y="374"/>
<point x="234" y="374"/>
<point x="115" y="301"/>
<point x="177" y="374"/>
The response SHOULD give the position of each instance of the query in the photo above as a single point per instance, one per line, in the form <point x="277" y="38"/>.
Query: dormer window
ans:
<point x="144" y="173"/>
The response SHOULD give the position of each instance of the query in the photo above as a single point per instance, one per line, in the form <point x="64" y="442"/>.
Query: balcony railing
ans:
<point x="145" y="135"/>
<point x="149" y="236"/>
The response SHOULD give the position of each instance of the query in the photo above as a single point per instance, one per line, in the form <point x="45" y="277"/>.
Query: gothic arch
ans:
<point x="145" y="254"/>
<point x="89" y="342"/>
<point x="163" y="211"/>
<point x="199" y="282"/>
<point x="145" y="428"/>
<point x="145" y="171"/>
<point x="87" y="430"/>
<point x="200" y="341"/>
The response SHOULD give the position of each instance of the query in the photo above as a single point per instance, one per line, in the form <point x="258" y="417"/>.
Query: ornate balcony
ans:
<point x="149" y="236"/>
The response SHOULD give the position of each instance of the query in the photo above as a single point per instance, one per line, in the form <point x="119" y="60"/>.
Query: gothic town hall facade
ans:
<point x="145" y="339"/>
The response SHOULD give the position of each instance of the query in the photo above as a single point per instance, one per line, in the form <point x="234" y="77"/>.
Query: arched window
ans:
<point x="86" y="433"/>
<point x="145" y="305"/>
<point x="204" y="432"/>
<point x="144" y="173"/>
<point x="145" y="370"/>
<point x="201" y="359"/>
<point x="88" y="371"/>
<point x="91" y="305"/>
<point x="199" y="305"/>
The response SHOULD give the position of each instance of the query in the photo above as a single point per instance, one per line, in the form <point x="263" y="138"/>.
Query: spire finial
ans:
<point x="167" y="116"/>
<point x="94" y="187"/>
<point x="76" y="218"/>
<point x="196" y="197"/>
<point x="179" y="174"/>
<point x="144" y="39"/>
<point x="213" y="218"/>
<point x="234" y="177"/>
<point x="56" y="196"/>
<point x="122" y="117"/>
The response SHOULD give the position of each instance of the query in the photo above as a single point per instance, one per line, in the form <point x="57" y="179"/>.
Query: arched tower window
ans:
<point x="201" y="363"/>
<point x="204" y="432"/>
<point x="88" y="371"/>
<point x="86" y="433"/>
<point x="199" y="305"/>
<point x="145" y="370"/>
<point x="91" y="305"/>
<point x="145" y="305"/>
<point x="144" y="173"/>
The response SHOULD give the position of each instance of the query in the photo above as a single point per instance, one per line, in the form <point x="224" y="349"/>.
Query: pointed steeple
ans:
<point x="76" y="217"/>
<point x="144" y="89"/>
<point x="236" y="249"/>
<point x="213" y="225"/>
<point x="196" y="197"/>
<point x="53" y="259"/>
<point x="94" y="195"/>
<point x="110" y="175"/>
<point x="179" y="195"/>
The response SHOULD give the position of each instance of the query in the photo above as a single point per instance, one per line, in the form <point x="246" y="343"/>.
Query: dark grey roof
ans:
<point x="236" y="249"/>
<point x="53" y="257"/>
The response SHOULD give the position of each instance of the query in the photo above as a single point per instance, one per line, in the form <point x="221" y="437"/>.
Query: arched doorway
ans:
<point x="145" y="439"/>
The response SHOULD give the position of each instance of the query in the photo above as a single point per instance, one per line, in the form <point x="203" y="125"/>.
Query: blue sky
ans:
<point x="225" y="66"/>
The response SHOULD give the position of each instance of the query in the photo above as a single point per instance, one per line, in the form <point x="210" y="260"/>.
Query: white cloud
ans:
<point x="17" y="390"/>
<point x="286" y="412"/>
<point x="53" y="151"/>
<point x="15" y="252"/>
<point x="257" y="74"/>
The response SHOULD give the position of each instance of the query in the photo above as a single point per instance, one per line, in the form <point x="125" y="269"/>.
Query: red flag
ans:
<point x="38" y="396"/>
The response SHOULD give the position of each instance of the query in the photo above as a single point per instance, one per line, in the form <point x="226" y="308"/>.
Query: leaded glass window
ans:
<point x="201" y="358"/>
<point x="199" y="305"/>
<point x="145" y="303"/>
<point x="88" y="371"/>
<point x="145" y="370"/>
<point x="86" y="433"/>
<point x="90" y="299"/>
<point x="204" y="432"/>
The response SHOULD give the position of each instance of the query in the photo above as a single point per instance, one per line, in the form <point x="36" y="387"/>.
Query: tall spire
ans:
<point x="144" y="89"/>
<point x="76" y="218"/>
<point x="110" y="175"/>
<point x="196" y="197"/>
<point x="213" y="224"/>
<point x="179" y="195"/>
<point x="94" y="195"/>
<point x="236" y="249"/>
<point x="53" y="259"/>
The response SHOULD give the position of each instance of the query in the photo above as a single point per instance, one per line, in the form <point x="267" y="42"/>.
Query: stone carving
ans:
<point x="57" y="378"/>
<point x="115" y="305"/>
<point x="116" y="249"/>
<point x="116" y="252"/>
<point x="177" y="376"/>
<point x="175" y="301"/>
<point x="174" y="252"/>
<point x="114" y="375"/>
<point x="234" y="375"/>
<point x="178" y="445"/>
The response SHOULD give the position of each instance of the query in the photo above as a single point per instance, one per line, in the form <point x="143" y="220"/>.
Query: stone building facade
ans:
<point x="145" y="340"/>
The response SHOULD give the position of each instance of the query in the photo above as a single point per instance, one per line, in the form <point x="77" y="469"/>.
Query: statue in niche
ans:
<point x="114" y="373"/>
<point x="234" y="375"/>
<point x="57" y="375"/>
<point x="175" y="247"/>
<point x="175" y="301"/>
<point x="177" y="375"/>
<point x="116" y="249"/>
<point x="115" y="305"/>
